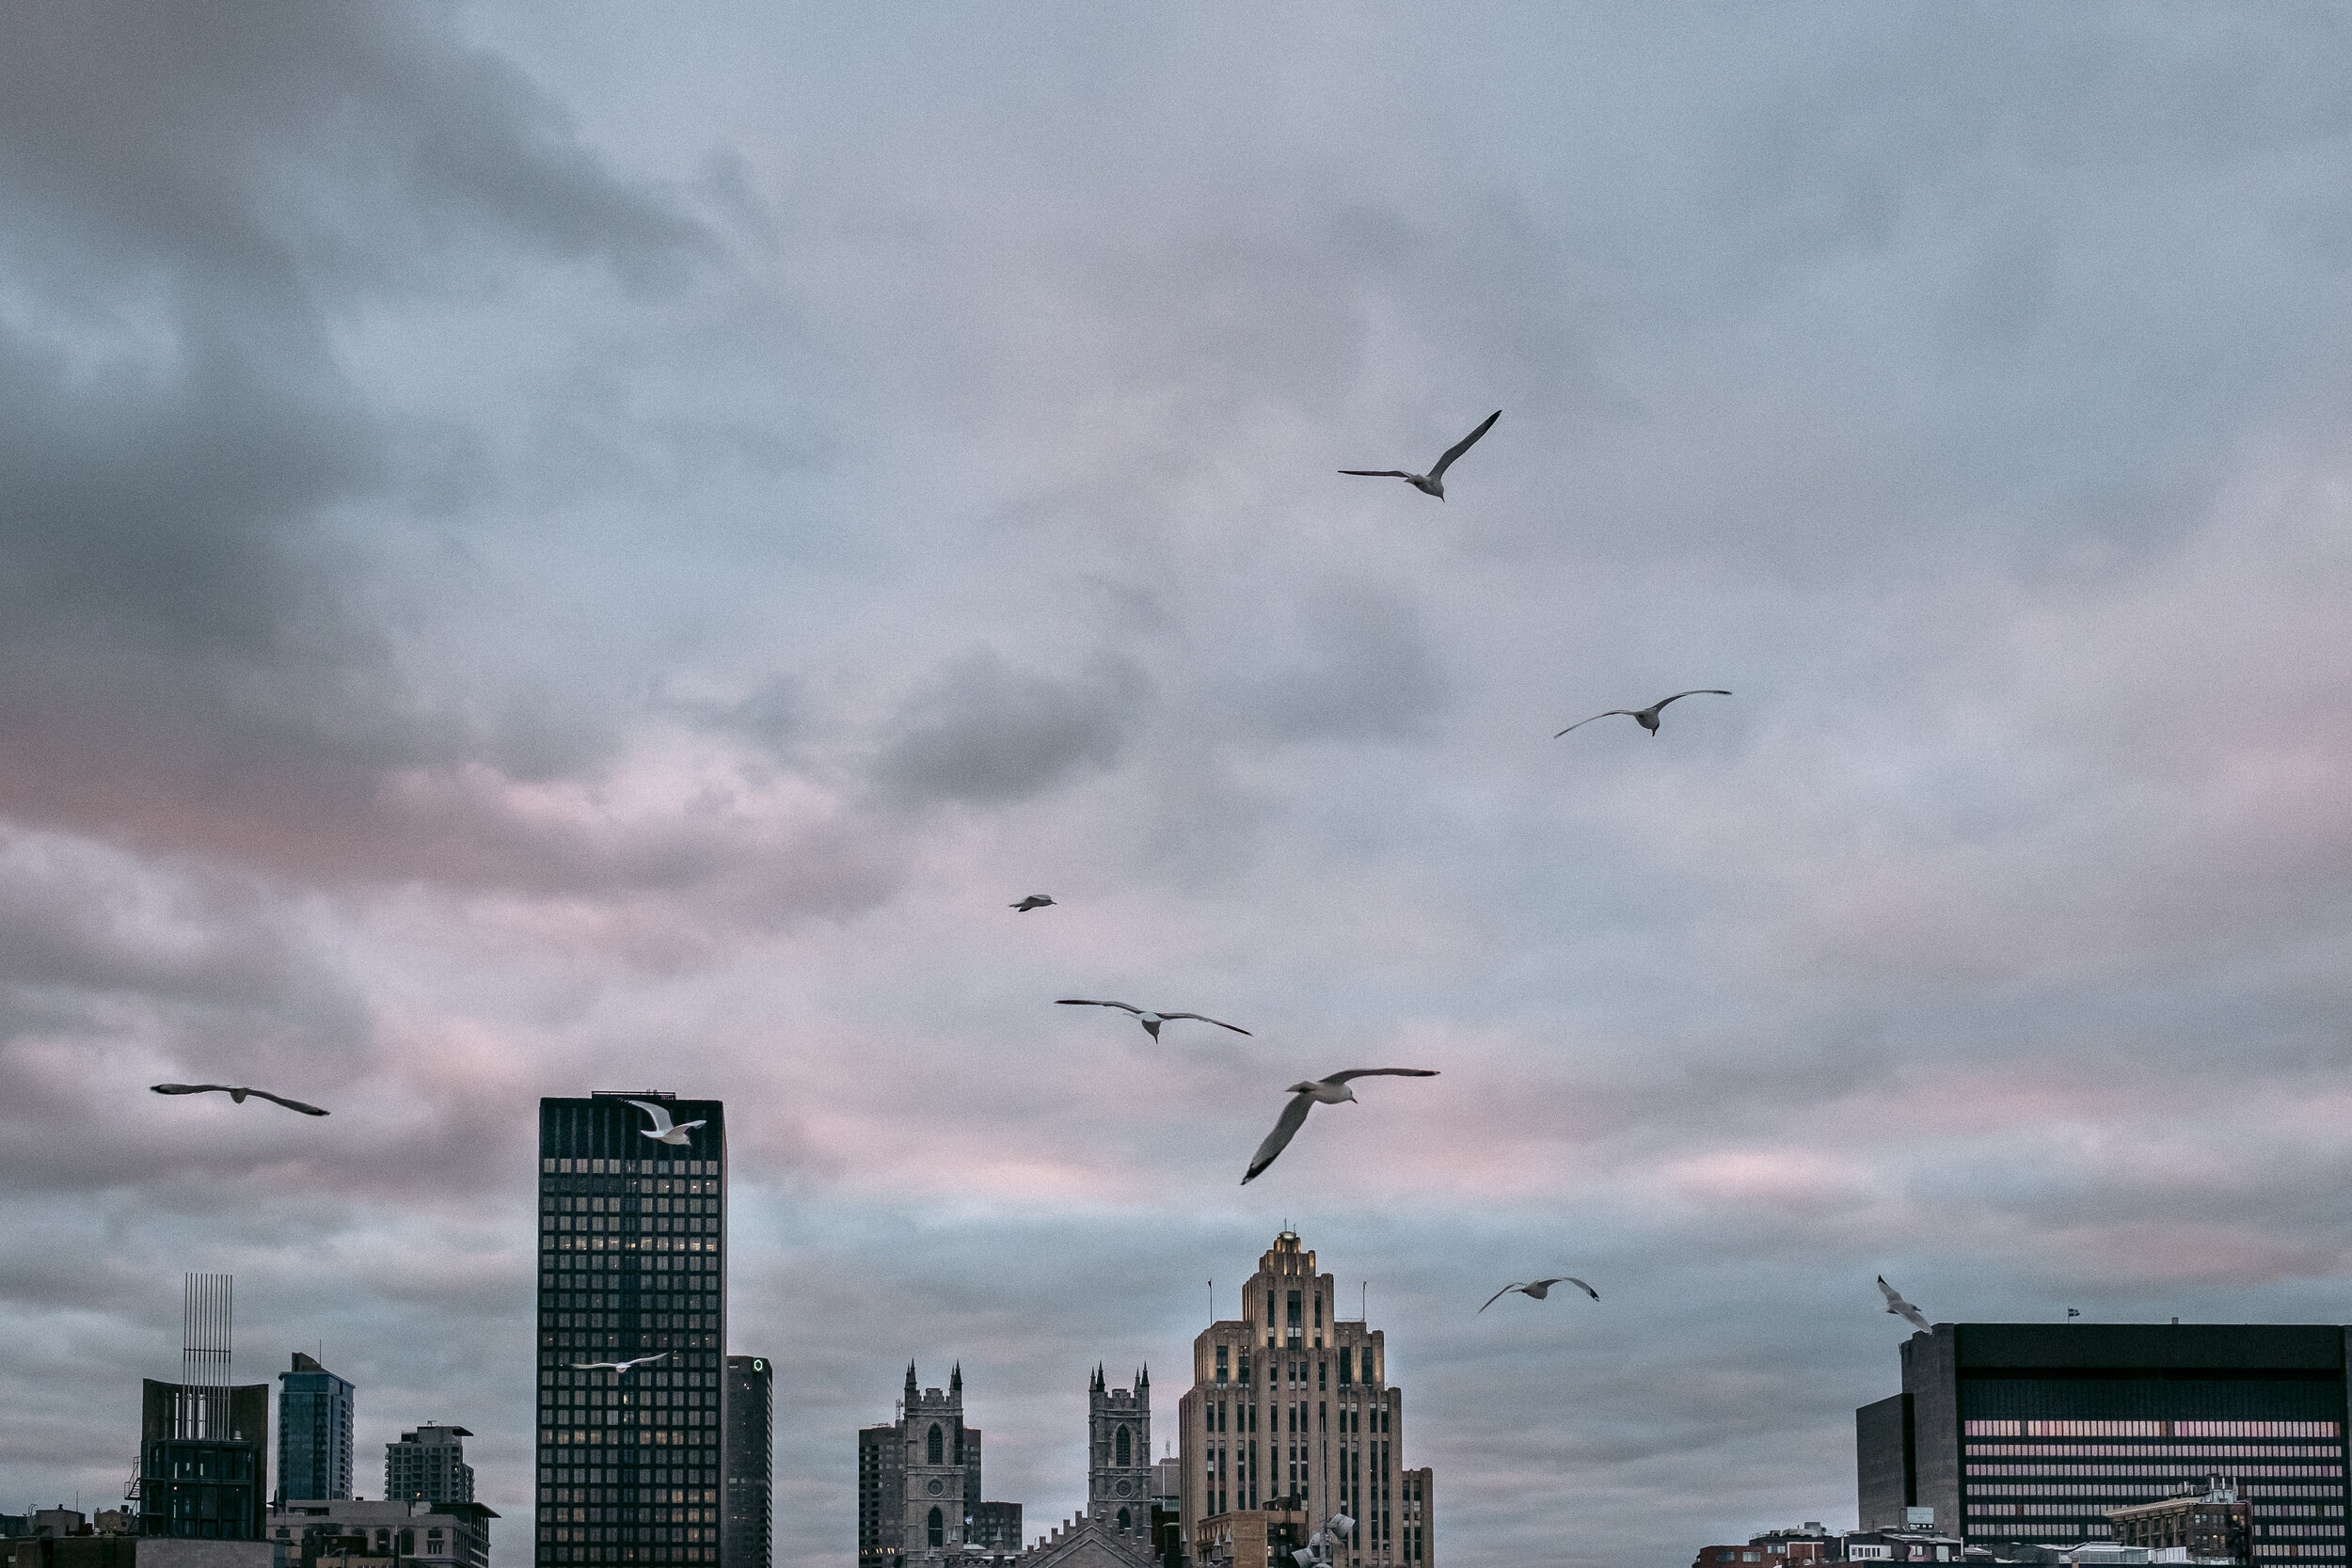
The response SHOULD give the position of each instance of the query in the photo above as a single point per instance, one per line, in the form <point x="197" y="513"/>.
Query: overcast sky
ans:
<point x="548" y="547"/>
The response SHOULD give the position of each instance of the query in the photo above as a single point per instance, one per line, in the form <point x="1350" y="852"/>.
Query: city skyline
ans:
<point x="547" y="547"/>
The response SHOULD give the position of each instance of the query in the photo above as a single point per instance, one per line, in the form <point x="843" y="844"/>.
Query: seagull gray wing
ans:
<point x="1206" y="1019"/>
<point x="1893" y="1295"/>
<point x="1498" y="1296"/>
<point x="190" y="1089"/>
<point x="1695" y="691"/>
<point x="289" y="1104"/>
<point x="1381" y="1073"/>
<point x="1380" y="473"/>
<point x="1082" y="1002"/>
<point x="1458" y="448"/>
<point x="1611" y="714"/>
<point x="1916" y="1317"/>
<point x="1286" y="1127"/>
<point x="660" y="1116"/>
<point x="1571" y="1280"/>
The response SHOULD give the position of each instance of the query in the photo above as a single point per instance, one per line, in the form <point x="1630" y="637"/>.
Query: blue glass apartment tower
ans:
<point x="632" y="1264"/>
<point x="313" y="1432"/>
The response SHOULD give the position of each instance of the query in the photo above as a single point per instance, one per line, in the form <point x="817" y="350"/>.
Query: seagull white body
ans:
<point x="620" y="1369"/>
<point x="1648" y="717"/>
<point x="1034" y="901"/>
<point x="1151" y="1020"/>
<point x="1902" y="1308"/>
<point x="1539" y="1289"/>
<point x="661" y="1131"/>
<point x="1432" y="483"/>
<point x="238" y="1094"/>
<point x="1304" y="1097"/>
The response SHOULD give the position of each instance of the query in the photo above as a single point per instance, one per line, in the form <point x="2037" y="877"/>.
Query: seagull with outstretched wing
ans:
<point x="1304" y="1097"/>
<point x="1034" y="901"/>
<point x="238" y="1094"/>
<point x="620" y="1369"/>
<point x="1432" y="483"/>
<point x="1902" y="1308"/>
<point x="1151" y="1020"/>
<point x="661" y="1131"/>
<point x="1538" y="1289"/>
<point x="1648" y="717"/>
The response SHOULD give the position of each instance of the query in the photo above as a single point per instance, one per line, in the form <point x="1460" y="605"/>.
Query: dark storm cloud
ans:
<point x="196" y="199"/>
<point x="983" y="732"/>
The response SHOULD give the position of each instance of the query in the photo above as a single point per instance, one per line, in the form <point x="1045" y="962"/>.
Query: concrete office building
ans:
<point x="746" y="1529"/>
<point x="2209" y="1525"/>
<point x="426" y="1534"/>
<point x="1291" y="1413"/>
<point x="428" y="1466"/>
<point x="632" y="1263"/>
<point x="2031" y="1433"/>
<point x="315" y="1409"/>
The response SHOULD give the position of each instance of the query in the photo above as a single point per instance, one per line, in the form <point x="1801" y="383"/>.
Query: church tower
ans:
<point x="1119" y="1452"/>
<point x="943" y="1462"/>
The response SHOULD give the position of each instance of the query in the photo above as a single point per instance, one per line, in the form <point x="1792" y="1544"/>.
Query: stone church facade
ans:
<point x="1119" y="1453"/>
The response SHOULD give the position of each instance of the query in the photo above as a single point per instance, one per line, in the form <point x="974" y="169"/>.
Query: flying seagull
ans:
<point x="1432" y="483"/>
<point x="1648" y="717"/>
<point x="620" y="1369"/>
<point x="1034" y="901"/>
<point x="1896" y="1304"/>
<point x="1304" y="1097"/>
<point x="1539" y="1289"/>
<point x="661" y="1128"/>
<point x="238" y="1094"/>
<point x="1150" y="1020"/>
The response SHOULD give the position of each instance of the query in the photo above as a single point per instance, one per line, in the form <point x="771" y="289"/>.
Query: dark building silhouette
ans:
<point x="746" y="1532"/>
<point x="882" y="1486"/>
<point x="632" y="1262"/>
<point x="315" y="1409"/>
<point x="203" y="1453"/>
<point x="428" y="1466"/>
<point x="2018" y="1433"/>
<point x="997" y="1528"/>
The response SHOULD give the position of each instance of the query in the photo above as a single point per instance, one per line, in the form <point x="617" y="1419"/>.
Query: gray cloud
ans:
<point x="981" y="732"/>
<point x="476" y="626"/>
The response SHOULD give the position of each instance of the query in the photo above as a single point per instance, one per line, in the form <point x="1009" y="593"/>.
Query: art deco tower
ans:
<point x="1291" y="1410"/>
<point x="632" y="1262"/>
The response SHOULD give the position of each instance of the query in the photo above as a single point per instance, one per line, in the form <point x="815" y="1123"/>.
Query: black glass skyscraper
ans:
<point x="747" y="1537"/>
<point x="632" y="1264"/>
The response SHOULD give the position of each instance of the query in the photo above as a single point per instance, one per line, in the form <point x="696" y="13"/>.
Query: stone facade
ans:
<point x="1291" y="1411"/>
<point x="1119" y="1453"/>
<point x="936" y="1468"/>
<point x="1090" y="1541"/>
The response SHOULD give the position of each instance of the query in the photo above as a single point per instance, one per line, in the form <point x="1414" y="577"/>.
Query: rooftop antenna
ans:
<point x="1363" y="1301"/>
<point x="206" y="1311"/>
